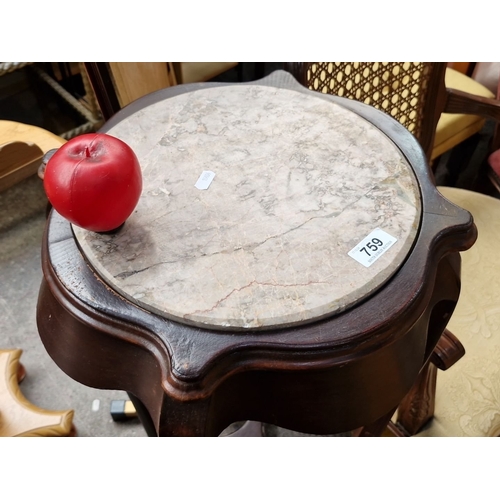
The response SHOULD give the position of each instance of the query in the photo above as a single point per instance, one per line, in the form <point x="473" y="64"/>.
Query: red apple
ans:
<point x="94" y="181"/>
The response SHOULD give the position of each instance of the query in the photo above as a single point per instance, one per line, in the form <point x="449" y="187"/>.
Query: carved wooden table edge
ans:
<point x="206" y="380"/>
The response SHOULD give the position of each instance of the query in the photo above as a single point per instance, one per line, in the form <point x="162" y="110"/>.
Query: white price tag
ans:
<point x="368" y="250"/>
<point x="205" y="179"/>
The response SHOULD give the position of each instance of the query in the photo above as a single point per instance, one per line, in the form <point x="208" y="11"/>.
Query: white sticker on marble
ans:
<point x="371" y="248"/>
<point x="205" y="180"/>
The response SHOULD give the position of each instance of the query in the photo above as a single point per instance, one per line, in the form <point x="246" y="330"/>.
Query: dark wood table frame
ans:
<point x="335" y="375"/>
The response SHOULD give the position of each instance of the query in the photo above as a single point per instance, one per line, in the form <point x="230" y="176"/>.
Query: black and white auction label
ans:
<point x="368" y="250"/>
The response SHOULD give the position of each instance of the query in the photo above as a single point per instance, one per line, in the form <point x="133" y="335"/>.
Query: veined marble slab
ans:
<point x="299" y="182"/>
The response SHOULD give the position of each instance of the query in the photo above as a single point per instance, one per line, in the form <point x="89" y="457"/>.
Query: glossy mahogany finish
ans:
<point x="335" y="375"/>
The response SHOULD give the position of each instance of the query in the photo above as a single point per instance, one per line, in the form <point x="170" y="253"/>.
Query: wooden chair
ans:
<point x="465" y="399"/>
<point x="468" y="393"/>
<point x="417" y="95"/>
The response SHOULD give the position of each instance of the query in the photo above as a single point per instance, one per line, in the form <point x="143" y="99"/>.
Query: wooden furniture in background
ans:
<point x="191" y="72"/>
<point x="18" y="160"/>
<point x="118" y="84"/>
<point x="90" y="117"/>
<point x="133" y="80"/>
<point x="429" y="99"/>
<point x="417" y="408"/>
<point x="19" y="417"/>
<point x="464" y="400"/>
<point x="21" y="150"/>
<point x="468" y="392"/>
<point x="461" y="126"/>
<point x="415" y="94"/>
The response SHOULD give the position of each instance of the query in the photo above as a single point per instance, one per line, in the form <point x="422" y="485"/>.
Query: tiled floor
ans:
<point x="22" y="220"/>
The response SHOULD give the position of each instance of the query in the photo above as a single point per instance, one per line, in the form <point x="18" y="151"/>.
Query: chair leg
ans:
<point x="417" y="408"/>
<point x="144" y="416"/>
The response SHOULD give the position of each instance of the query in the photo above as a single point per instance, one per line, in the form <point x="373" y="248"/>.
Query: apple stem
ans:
<point x="87" y="152"/>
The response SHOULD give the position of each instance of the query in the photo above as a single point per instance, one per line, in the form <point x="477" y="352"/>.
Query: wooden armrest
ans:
<point x="462" y="102"/>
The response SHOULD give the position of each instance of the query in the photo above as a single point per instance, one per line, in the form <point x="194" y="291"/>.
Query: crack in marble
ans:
<point x="252" y="283"/>
<point x="247" y="248"/>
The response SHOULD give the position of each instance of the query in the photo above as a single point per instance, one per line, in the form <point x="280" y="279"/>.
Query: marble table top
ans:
<point x="298" y="183"/>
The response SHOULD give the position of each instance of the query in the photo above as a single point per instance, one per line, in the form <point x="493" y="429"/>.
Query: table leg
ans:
<point x="144" y="416"/>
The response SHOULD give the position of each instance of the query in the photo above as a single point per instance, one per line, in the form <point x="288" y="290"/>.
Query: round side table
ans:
<point x="290" y="261"/>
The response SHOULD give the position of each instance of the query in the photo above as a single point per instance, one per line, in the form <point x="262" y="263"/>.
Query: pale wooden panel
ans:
<point x="189" y="72"/>
<point x="135" y="79"/>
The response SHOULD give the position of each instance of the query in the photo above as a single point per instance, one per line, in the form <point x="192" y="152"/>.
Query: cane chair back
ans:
<point x="407" y="91"/>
